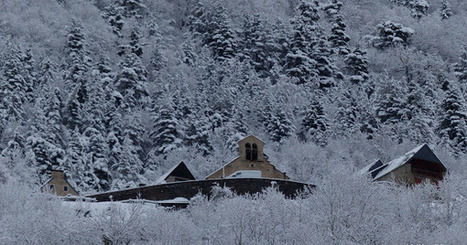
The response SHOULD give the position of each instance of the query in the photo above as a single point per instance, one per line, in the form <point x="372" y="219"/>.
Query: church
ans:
<point x="251" y="163"/>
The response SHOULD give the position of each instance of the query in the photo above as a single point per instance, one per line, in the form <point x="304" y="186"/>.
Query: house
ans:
<point x="58" y="185"/>
<point x="179" y="172"/>
<point x="252" y="163"/>
<point x="416" y="166"/>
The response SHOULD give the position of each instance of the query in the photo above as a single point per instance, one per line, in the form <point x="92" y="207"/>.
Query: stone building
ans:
<point x="58" y="185"/>
<point x="252" y="163"/>
<point x="414" y="167"/>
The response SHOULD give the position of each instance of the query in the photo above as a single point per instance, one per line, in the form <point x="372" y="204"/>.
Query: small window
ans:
<point x="51" y="187"/>
<point x="248" y="151"/>
<point x="252" y="165"/>
<point x="65" y="188"/>
<point x="254" y="152"/>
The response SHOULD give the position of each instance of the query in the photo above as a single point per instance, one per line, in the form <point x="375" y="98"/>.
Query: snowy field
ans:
<point x="349" y="211"/>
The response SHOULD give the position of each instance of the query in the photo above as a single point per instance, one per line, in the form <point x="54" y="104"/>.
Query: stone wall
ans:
<point x="189" y="189"/>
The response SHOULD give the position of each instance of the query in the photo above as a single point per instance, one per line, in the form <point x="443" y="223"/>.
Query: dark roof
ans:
<point x="422" y="152"/>
<point x="425" y="153"/>
<point x="179" y="170"/>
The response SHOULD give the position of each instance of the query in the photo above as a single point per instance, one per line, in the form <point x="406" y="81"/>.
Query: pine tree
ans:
<point x="47" y="74"/>
<point x="80" y="169"/>
<point x="256" y="46"/>
<point x="73" y="113"/>
<point x="279" y="126"/>
<point x="15" y="150"/>
<point x="127" y="170"/>
<point x="390" y="34"/>
<point x="158" y="61"/>
<point x="188" y="52"/>
<point x="348" y="111"/>
<point x="445" y="10"/>
<point x="165" y="134"/>
<point x="452" y="127"/>
<point x="420" y="114"/>
<point x="338" y="38"/>
<point x="314" y="125"/>
<point x="326" y="71"/>
<point x="419" y="8"/>
<point x="131" y="81"/>
<point x="46" y="139"/>
<point x="357" y="66"/>
<point x="77" y="75"/>
<point x="391" y="102"/>
<point x="197" y="137"/>
<point x="134" y="45"/>
<point x="279" y="43"/>
<point x="78" y="61"/>
<point x="131" y="8"/>
<point x="96" y="156"/>
<point x="46" y="155"/>
<point x="200" y="22"/>
<point x="115" y="17"/>
<point x="237" y="130"/>
<point x="16" y="85"/>
<point x="222" y="40"/>
<point x="460" y="68"/>
<point x="53" y="127"/>
<point x="299" y="63"/>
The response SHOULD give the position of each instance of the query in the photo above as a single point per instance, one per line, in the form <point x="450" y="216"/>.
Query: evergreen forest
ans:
<point x="116" y="92"/>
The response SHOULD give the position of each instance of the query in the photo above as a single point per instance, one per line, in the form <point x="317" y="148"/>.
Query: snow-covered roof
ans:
<point x="373" y="168"/>
<point x="398" y="162"/>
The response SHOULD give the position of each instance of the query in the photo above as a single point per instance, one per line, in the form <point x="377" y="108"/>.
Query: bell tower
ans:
<point x="251" y="149"/>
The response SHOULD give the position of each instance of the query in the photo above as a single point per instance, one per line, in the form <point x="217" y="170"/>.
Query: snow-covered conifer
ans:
<point x="314" y="125"/>
<point x="338" y="38"/>
<point x="299" y="63"/>
<point x="445" y="11"/>
<point x="96" y="151"/>
<point x="131" y="81"/>
<point x="460" y="68"/>
<point x="452" y="128"/>
<point x="357" y="66"/>
<point x="255" y="45"/>
<point x="165" y="133"/>
<point x="327" y="72"/>
<point x="279" y="126"/>
<point x="390" y="34"/>
<point x="222" y="40"/>
<point x="419" y="8"/>
<point x="391" y="101"/>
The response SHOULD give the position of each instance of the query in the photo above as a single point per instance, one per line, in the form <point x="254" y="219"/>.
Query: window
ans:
<point x="248" y="151"/>
<point x="254" y="152"/>
<point x="51" y="187"/>
<point x="65" y="188"/>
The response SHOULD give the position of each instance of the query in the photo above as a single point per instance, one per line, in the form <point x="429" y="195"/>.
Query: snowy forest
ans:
<point x="116" y="92"/>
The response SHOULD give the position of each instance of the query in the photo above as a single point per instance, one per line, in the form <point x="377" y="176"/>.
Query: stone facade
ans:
<point x="189" y="189"/>
<point x="251" y="158"/>
<point x="58" y="185"/>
